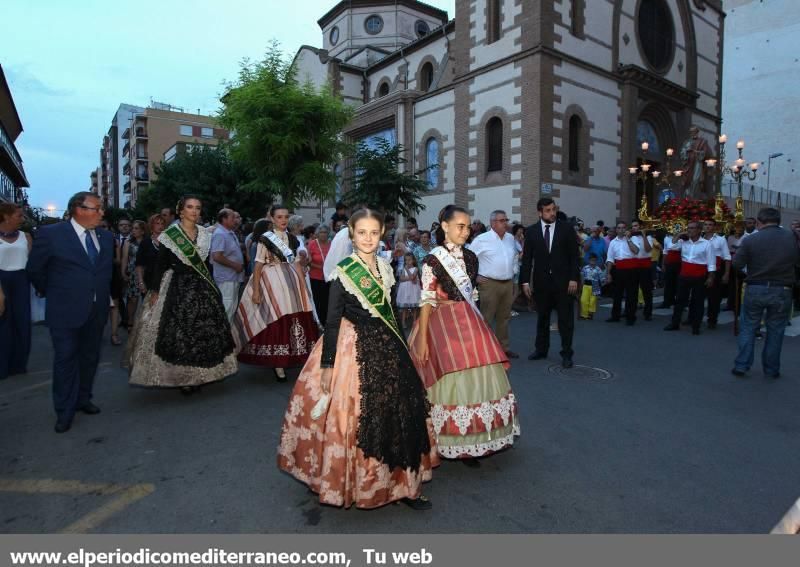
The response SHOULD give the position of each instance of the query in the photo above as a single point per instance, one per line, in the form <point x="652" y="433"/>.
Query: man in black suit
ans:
<point x="551" y="249"/>
<point x="70" y="264"/>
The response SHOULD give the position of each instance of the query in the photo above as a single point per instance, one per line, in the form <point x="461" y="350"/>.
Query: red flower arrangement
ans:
<point x="690" y="209"/>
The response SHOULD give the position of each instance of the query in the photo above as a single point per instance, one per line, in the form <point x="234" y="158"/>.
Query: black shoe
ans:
<point x="511" y="354"/>
<point x="62" y="426"/>
<point x="537" y="355"/>
<point x="566" y="362"/>
<point x="420" y="503"/>
<point x="773" y="376"/>
<point x="89" y="409"/>
<point x="672" y="327"/>
<point x="188" y="390"/>
<point x="738" y="373"/>
<point x="630" y="323"/>
<point x="471" y="462"/>
<point x="612" y="320"/>
<point x="695" y="331"/>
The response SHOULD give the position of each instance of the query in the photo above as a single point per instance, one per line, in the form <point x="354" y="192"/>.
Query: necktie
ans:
<point x="547" y="237"/>
<point x="91" y="249"/>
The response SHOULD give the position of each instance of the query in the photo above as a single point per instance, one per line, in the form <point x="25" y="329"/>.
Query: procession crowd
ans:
<point x="401" y="332"/>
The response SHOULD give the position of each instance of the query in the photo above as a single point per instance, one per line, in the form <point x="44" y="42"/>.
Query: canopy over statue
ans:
<point x="694" y="151"/>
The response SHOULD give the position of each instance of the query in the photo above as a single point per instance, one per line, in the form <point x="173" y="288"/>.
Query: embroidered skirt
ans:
<point x="324" y="453"/>
<point x="280" y="331"/>
<point x="473" y="408"/>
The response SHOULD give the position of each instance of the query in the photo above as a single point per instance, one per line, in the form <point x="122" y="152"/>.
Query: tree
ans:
<point x="377" y="180"/>
<point x="209" y="173"/>
<point x="286" y="134"/>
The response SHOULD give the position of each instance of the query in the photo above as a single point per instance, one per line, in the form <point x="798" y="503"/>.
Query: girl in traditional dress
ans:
<point x="182" y="338"/>
<point x="357" y="429"/>
<point x="462" y="364"/>
<point x="274" y="325"/>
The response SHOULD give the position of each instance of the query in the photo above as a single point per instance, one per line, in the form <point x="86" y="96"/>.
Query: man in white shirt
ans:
<point x="622" y="264"/>
<point x="722" y="256"/>
<point x="496" y="252"/>
<point x="672" y="268"/>
<point x="698" y="265"/>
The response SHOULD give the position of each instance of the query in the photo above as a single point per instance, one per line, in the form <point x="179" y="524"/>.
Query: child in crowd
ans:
<point x="593" y="278"/>
<point x="409" y="290"/>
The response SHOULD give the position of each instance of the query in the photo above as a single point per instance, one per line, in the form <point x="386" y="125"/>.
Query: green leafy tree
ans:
<point x="209" y="173"/>
<point x="287" y="134"/>
<point x="377" y="180"/>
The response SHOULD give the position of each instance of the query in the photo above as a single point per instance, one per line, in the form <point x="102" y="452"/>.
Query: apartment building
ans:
<point x="12" y="173"/>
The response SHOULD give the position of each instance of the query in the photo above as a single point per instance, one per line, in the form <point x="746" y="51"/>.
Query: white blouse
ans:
<point x="14" y="255"/>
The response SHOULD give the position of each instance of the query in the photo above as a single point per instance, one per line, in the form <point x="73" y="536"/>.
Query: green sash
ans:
<point x="187" y="248"/>
<point x="370" y="289"/>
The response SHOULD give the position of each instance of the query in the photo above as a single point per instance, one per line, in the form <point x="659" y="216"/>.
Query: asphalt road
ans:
<point x="660" y="439"/>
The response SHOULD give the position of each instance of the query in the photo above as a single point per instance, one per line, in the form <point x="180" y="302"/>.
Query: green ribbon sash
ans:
<point x="370" y="289"/>
<point x="189" y="251"/>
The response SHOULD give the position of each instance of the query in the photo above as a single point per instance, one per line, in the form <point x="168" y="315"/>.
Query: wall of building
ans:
<point x="760" y="95"/>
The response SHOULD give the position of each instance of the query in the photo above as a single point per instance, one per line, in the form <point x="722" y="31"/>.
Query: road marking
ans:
<point x="125" y="496"/>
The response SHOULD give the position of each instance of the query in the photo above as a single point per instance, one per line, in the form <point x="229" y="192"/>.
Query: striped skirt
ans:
<point x="473" y="409"/>
<point x="280" y="331"/>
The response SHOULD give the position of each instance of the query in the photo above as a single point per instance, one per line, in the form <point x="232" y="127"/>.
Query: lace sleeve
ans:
<point x="429" y="284"/>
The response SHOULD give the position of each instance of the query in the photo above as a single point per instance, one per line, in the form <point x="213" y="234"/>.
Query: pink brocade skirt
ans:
<point x="323" y="453"/>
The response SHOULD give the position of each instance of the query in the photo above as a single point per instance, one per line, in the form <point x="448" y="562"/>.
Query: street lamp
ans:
<point x="769" y="166"/>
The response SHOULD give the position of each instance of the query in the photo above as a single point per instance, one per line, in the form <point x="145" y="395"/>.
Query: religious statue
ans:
<point x="644" y="213"/>
<point x="694" y="152"/>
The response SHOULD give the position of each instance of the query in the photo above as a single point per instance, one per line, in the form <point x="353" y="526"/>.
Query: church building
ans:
<point x="516" y="99"/>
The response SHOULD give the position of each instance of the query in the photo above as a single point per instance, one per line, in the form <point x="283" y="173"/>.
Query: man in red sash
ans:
<point x="622" y="259"/>
<point x="722" y="256"/>
<point x="644" y="269"/>
<point x="698" y="265"/>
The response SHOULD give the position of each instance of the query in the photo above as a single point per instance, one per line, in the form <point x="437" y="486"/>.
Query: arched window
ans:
<point x="494" y="144"/>
<point x="575" y="132"/>
<point x="422" y="28"/>
<point x="494" y="24"/>
<point x="383" y="90"/>
<point x="426" y="76"/>
<point x="656" y="33"/>
<point x="432" y="162"/>
<point x="373" y="24"/>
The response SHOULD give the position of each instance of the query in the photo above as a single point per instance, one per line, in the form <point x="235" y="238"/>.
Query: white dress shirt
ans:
<point x="618" y="249"/>
<point x="696" y="252"/>
<point x="719" y="246"/>
<point x="552" y="226"/>
<point x="639" y="242"/>
<point x="81" y="232"/>
<point x="496" y="256"/>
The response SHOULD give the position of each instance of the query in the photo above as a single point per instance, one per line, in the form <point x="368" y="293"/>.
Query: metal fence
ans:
<point x="761" y="197"/>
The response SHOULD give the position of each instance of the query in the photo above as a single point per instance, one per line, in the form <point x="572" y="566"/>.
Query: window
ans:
<point x="422" y="28"/>
<point x="493" y="21"/>
<point x="426" y="76"/>
<point x="337" y="172"/>
<point x="207" y="132"/>
<point x="383" y="90"/>
<point x="575" y="128"/>
<point x="334" y="37"/>
<point x="576" y="16"/>
<point x="186" y="130"/>
<point x="432" y="162"/>
<point x="494" y="144"/>
<point x="656" y="33"/>
<point x="373" y="24"/>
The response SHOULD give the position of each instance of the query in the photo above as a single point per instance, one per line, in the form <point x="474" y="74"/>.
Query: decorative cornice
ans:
<point x="656" y="84"/>
<point x="334" y="12"/>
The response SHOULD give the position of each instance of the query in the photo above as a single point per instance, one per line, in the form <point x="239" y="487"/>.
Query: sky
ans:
<point x="70" y="64"/>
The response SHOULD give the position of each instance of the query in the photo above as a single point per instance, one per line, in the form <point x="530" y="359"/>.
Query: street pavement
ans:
<point x="649" y="433"/>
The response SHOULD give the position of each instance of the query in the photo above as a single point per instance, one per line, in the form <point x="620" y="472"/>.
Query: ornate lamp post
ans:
<point x="642" y="172"/>
<point x="737" y="171"/>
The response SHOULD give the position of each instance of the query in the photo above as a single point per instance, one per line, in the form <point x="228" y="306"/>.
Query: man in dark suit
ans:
<point x="551" y="249"/>
<point x="70" y="264"/>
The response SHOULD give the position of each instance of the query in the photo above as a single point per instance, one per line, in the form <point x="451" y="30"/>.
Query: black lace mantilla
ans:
<point x="194" y="329"/>
<point x="392" y="427"/>
<point x="294" y="244"/>
<point x="444" y="279"/>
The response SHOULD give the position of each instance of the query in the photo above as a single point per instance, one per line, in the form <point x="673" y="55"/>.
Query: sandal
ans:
<point x="421" y="503"/>
<point x="280" y="375"/>
<point x="115" y="340"/>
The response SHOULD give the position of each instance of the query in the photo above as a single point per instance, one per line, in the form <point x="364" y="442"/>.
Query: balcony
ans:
<point x="142" y="176"/>
<point x="126" y="134"/>
<point x="141" y="155"/>
<point x="126" y="168"/>
<point x="126" y="188"/>
<point x="10" y="160"/>
<point x="141" y="132"/>
<point x="126" y="148"/>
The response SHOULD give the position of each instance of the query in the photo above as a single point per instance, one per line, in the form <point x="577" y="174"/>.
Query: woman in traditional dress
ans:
<point x="462" y="364"/>
<point x="357" y="429"/>
<point x="183" y="338"/>
<point x="274" y="325"/>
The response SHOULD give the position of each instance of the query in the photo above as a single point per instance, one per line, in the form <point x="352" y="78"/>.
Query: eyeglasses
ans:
<point x="95" y="209"/>
<point x="501" y="220"/>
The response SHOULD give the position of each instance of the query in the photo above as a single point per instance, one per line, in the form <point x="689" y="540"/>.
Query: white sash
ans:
<point x="281" y="246"/>
<point x="459" y="276"/>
